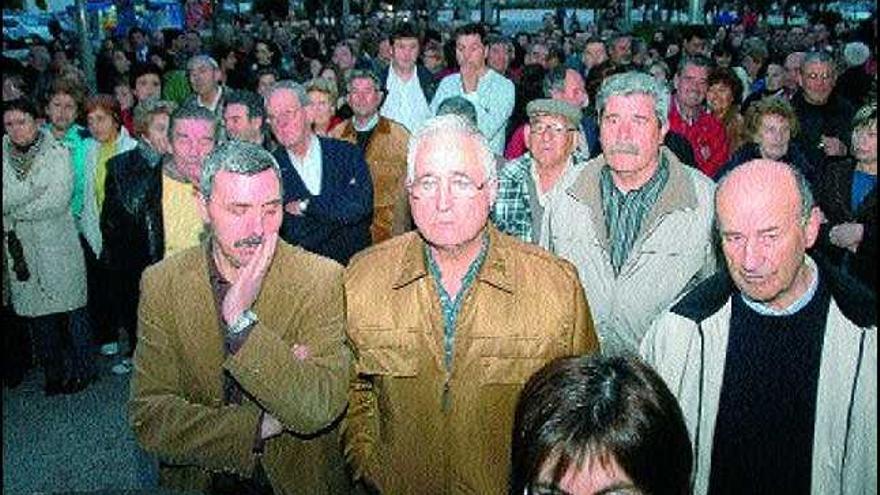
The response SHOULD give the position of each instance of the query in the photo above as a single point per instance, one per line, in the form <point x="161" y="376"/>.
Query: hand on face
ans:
<point x="244" y="291"/>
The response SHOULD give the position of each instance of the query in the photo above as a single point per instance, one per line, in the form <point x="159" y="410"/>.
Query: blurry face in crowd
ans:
<point x="287" y="119"/>
<point x="764" y="236"/>
<point x="574" y="92"/>
<point x="621" y="51"/>
<point x="191" y="142"/>
<point x="264" y="84"/>
<point x="631" y="135"/>
<point x="364" y="98"/>
<point x="320" y="109"/>
<point x="538" y="54"/>
<point x="470" y="52"/>
<point x="204" y="79"/>
<point x="864" y="143"/>
<point x="102" y="126"/>
<point x="124" y="96"/>
<point x="263" y="54"/>
<point x="773" y="137"/>
<point x="157" y="133"/>
<point x="147" y="86"/>
<point x="138" y="40"/>
<point x="121" y="62"/>
<point x="243" y="211"/>
<point x="775" y="76"/>
<point x="817" y="80"/>
<point x="384" y="52"/>
<point x="433" y="60"/>
<point x="719" y="97"/>
<point x="240" y="126"/>
<point x="594" y="54"/>
<point x="61" y="111"/>
<point x="20" y="126"/>
<point x="404" y="53"/>
<point x="498" y="58"/>
<point x="457" y="213"/>
<point x="691" y="85"/>
<point x="551" y="139"/>
<point x="659" y="73"/>
<point x="694" y="46"/>
<point x="793" y="64"/>
<point x="343" y="57"/>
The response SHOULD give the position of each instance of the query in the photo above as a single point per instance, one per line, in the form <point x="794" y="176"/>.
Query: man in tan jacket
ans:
<point x="449" y="322"/>
<point x="241" y="370"/>
<point x="383" y="142"/>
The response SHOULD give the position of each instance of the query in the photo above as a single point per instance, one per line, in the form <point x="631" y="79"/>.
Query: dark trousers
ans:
<point x="64" y="345"/>
<point x="17" y="346"/>
<point x="99" y="304"/>
<point x="124" y="295"/>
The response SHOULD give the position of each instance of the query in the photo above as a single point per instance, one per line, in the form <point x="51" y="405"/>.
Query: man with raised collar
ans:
<point x="491" y="93"/>
<point x="204" y="78"/>
<point x="383" y="143"/>
<point x="636" y="222"/>
<point x="774" y="363"/>
<point x="328" y="193"/>
<point x="408" y="87"/>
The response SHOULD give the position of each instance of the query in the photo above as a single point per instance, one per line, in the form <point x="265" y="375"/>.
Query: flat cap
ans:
<point x="548" y="106"/>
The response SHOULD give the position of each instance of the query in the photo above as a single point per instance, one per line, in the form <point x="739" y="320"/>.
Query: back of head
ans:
<point x="586" y="411"/>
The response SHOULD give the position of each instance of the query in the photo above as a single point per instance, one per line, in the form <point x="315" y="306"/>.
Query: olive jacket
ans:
<point x="413" y="427"/>
<point x="386" y="156"/>
<point x="176" y="406"/>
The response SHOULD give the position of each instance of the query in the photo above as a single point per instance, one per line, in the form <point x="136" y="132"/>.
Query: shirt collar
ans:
<point x="368" y="126"/>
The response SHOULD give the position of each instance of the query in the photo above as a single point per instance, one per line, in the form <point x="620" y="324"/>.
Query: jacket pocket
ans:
<point x="512" y="360"/>
<point x="386" y="351"/>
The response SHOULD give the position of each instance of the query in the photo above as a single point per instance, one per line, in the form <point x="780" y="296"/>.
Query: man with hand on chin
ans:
<point x="491" y="93"/>
<point x="241" y="369"/>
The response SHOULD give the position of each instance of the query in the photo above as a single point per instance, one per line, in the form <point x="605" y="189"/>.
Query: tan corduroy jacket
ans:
<point x="386" y="157"/>
<point x="413" y="427"/>
<point x="176" y="407"/>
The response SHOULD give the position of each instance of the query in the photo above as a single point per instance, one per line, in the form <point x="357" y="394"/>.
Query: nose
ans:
<point x="753" y="256"/>
<point x="444" y="198"/>
<point x="624" y="131"/>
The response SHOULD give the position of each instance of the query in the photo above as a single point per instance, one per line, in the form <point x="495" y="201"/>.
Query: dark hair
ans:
<point x="107" y="103"/>
<point x="727" y="77"/>
<point x="693" y="31"/>
<point x="23" y="105"/>
<point x="135" y="29"/>
<point x="607" y="409"/>
<point x="252" y="101"/>
<point x="469" y="29"/>
<point x="404" y="30"/>
<point x="143" y="69"/>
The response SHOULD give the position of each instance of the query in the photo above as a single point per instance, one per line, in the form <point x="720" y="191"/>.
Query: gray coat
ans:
<point x="36" y="207"/>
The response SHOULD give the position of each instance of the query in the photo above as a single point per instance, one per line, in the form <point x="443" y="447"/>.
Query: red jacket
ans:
<point x="706" y="136"/>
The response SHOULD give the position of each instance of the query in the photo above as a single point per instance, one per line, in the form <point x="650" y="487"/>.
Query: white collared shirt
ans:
<point x="405" y="102"/>
<point x="309" y="168"/>
<point x="213" y="106"/>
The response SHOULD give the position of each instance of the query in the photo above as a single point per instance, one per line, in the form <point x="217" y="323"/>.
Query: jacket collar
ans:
<point x="495" y="271"/>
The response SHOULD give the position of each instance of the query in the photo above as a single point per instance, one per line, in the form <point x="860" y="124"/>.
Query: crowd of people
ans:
<point x="442" y="260"/>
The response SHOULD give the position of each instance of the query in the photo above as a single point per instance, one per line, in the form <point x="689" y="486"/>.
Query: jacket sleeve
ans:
<point x="493" y="111"/>
<point x="585" y="339"/>
<point x="113" y="215"/>
<point x="305" y="393"/>
<point x="360" y="428"/>
<point x="45" y="194"/>
<point x="167" y="424"/>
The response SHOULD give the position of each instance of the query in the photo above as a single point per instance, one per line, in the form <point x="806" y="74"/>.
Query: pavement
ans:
<point x="73" y="443"/>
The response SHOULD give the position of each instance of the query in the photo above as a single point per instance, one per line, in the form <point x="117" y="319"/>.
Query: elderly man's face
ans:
<point x="817" y="80"/>
<point x="364" y="98"/>
<point x="450" y="197"/>
<point x="243" y="211"/>
<point x="774" y="135"/>
<point x="691" y="85"/>
<point x="763" y="235"/>
<point x="287" y="118"/>
<point x="574" y="93"/>
<point x="191" y="141"/>
<point x="631" y="134"/>
<point x="204" y="79"/>
<point x="550" y="139"/>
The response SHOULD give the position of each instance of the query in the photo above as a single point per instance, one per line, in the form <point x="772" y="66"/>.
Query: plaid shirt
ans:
<point x="512" y="212"/>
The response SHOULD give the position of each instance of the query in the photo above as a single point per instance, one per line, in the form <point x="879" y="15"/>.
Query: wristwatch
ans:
<point x="245" y="320"/>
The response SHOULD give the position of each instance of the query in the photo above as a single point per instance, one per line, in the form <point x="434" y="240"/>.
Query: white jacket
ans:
<point x="689" y="349"/>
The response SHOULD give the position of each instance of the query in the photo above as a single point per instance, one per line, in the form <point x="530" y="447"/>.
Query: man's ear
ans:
<point x="202" y="206"/>
<point x="811" y="229"/>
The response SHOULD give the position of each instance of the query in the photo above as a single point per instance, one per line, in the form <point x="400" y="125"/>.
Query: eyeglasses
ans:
<point x="460" y="187"/>
<point x="555" y="129"/>
<point x="820" y="75"/>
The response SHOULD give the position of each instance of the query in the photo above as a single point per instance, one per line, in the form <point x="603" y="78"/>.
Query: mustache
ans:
<point x="252" y="241"/>
<point x="625" y="148"/>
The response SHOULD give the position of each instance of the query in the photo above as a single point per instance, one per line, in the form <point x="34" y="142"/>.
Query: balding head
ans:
<point x="765" y="215"/>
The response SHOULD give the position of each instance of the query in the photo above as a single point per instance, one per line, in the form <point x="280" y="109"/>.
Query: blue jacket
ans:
<point x="336" y="223"/>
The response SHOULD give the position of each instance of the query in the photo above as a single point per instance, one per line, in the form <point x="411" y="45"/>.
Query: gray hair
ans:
<point x="447" y="125"/>
<point x="554" y="80"/>
<point x="237" y="157"/>
<point x="250" y="100"/>
<point x="293" y="86"/>
<point x="630" y="83"/>
<point x="202" y="60"/>
<point x="193" y="112"/>
<point x="458" y="105"/>
<point x="146" y="109"/>
<point x="819" y="57"/>
<point x="362" y="74"/>
<point x="696" y="61"/>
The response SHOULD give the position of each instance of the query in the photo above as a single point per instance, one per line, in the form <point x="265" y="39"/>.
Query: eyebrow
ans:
<point x="620" y="485"/>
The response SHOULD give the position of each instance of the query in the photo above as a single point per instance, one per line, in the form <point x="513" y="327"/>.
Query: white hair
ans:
<point x="455" y="128"/>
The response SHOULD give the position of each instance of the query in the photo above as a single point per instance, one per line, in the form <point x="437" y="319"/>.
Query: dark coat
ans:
<point x="426" y="80"/>
<point x="336" y="223"/>
<point x="834" y="119"/>
<point x="834" y="196"/>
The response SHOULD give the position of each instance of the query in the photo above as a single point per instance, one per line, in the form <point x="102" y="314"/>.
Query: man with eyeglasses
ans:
<point x="636" y="222"/>
<point x="530" y="185"/>
<point x="825" y="117"/>
<point x="328" y="193"/>
<point x="448" y="323"/>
